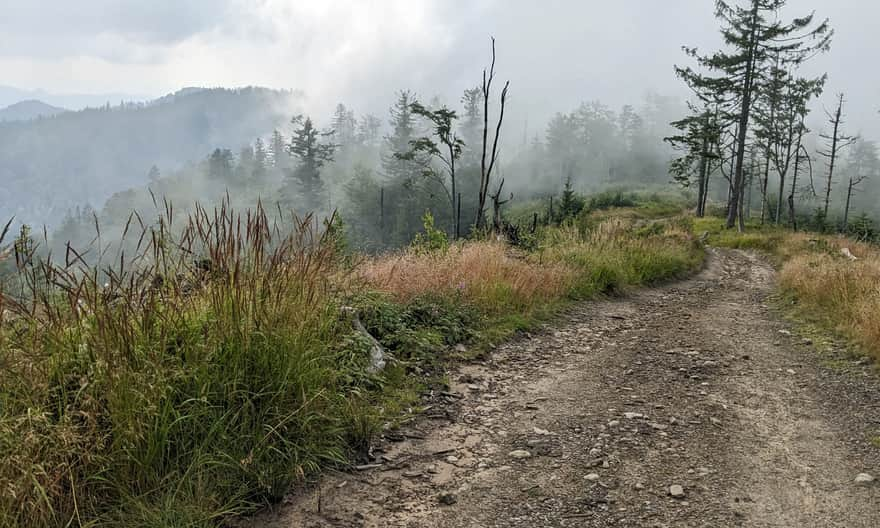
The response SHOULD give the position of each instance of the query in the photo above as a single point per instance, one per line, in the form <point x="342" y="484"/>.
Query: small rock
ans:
<point x="452" y="459"/>
<point x="863" y="479"/>
<point x="540" y="432"/>
<point x="613" y="423"/>
<point x="592" y="477"/>
<point x="595" y="452"/>
<point x="639" y="486"/>
<point x="460" y="348"/>
<point x="447" y="499"/>
<point x="519" y="453"/>
<point x="676" y="491"/>
<point x="790" y="371"/>
<point x="808" y="341"/>
<point x="633" y="415"/>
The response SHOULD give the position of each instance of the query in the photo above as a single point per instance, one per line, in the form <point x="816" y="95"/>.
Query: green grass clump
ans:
<point x="180" y="391"/>
<point x="617" y="253"/>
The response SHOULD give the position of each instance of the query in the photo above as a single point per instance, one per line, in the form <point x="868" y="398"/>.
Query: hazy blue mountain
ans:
<point x="10" y="95"/>
<point x="27" y="110"/>
<point x="49" y="166"/>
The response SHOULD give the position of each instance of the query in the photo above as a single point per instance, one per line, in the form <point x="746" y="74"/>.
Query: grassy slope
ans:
<point x="818" y="282"/>
<point x="209" y="393"/>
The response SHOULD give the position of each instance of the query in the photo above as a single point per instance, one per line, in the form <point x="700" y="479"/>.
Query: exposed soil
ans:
<point x="699" y="384"/>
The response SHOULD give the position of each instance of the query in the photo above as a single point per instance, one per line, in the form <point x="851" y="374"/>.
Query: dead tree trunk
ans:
<point x="496" y="207"/>
<point x="835" y="142"/>
<point x="486" y="166"/>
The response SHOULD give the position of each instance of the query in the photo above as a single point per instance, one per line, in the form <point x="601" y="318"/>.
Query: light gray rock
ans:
<point x="864" y="479"/>
<point x="676" y="491"/>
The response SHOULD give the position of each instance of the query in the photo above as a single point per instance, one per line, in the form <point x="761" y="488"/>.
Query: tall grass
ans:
<point x="616" y="253"/>
<point x="490" y="275"/>
<point x="191" y="380"/>
<point x="603" y="254"/>
<point x="836" y="291"/>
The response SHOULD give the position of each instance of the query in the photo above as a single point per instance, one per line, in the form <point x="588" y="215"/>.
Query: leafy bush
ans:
<point x="432" y="240"/>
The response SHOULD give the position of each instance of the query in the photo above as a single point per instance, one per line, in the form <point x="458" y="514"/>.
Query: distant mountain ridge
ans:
<point x="51" y="165"/>
<point x="9" y="95"/>
<point x="30" y="109"/>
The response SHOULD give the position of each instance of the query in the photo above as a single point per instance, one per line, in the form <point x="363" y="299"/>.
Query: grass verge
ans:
<point x="219" y="366"/>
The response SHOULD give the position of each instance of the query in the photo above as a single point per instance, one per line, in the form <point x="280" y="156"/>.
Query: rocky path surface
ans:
<point x="692" y="404"/>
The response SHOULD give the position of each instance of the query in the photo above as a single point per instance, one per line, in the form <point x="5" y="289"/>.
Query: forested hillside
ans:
<point x="365" y="167"/>
<point x="27" y="110"/>
<point x="50" y="166"/>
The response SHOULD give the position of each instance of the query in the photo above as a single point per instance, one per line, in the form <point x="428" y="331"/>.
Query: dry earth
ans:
<point x="699" y="384"/>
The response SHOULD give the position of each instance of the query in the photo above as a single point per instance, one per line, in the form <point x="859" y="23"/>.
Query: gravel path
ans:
<point x="692" y="404"/>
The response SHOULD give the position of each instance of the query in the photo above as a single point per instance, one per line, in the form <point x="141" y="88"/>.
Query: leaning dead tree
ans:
<point x="486" y="166"/>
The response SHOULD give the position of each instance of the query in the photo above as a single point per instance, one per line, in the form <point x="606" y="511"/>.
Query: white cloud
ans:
<point x="556" y="52"/>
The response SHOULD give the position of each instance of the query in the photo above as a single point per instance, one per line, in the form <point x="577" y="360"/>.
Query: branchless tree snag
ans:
<point x="487" y="167"/>
<point x="497" y="202"/>
<point x="864" y="164"/>
<point x="801" y="153"/>
<point x="835" y="143"/>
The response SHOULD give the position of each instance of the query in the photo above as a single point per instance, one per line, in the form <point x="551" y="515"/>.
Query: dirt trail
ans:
<point x="697" y="384"/>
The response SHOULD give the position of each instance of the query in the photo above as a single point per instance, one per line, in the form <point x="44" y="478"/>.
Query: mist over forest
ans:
<point x="574" y="115"/>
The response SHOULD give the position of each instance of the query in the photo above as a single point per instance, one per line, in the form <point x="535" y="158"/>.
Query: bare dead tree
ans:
<point x="836" y="142"/>
<point x="496" y="207"/>
<point x="487" y="167"/>
<point x="863" y="152"/>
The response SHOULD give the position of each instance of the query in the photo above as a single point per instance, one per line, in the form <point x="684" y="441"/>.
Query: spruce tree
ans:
<point x="261" y="160"/>
<point x="699" y="139"/>
<point x="754" y="37"/>
<point x="278" y="150"/>
<point x="304" y="185"/>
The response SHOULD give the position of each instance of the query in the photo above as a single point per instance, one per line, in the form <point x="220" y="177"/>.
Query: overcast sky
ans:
<point x="555" y="52"/>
